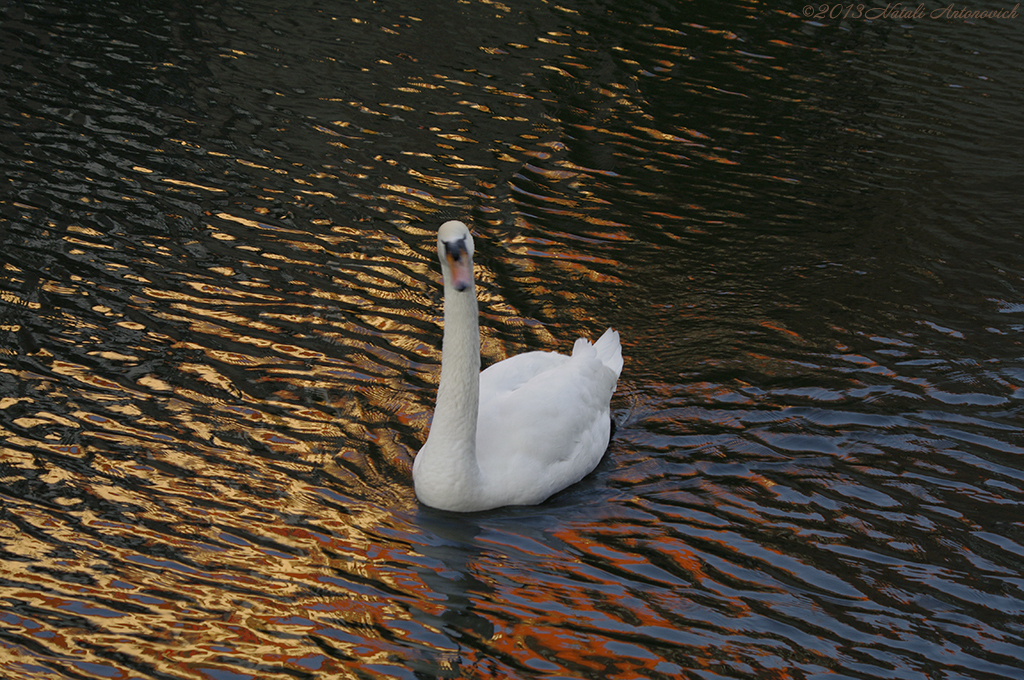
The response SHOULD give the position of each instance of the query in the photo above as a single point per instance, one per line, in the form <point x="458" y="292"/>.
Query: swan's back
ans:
<point x="544" y="419"/>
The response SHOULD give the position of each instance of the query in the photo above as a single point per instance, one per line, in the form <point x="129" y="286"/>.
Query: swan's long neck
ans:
<point x="458" y="394"/>
<point x="451" y="443"/>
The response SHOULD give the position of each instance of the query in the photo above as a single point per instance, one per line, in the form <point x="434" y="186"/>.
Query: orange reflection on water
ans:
<point x="582" y="619"/>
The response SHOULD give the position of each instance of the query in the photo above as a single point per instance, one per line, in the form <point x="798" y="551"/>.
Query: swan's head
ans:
<point x="455" y="250"/>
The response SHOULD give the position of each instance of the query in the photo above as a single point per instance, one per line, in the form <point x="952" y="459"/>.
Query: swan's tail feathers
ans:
<point x="609" y="351"/>
<point x="582" y="345"/>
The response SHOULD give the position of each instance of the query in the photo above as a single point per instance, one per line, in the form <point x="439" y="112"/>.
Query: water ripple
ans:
<point x="219" y="340"/>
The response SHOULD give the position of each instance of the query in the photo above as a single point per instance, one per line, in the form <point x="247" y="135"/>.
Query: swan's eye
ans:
<point x="455" y="250"/>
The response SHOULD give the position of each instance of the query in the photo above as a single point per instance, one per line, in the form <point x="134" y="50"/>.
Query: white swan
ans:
<point x="523" y="429"/>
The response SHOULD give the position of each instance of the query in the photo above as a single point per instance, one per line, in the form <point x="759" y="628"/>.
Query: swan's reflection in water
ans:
<point x="456" y="590"/>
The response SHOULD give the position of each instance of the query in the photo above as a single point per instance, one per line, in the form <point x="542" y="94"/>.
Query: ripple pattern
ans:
<point x="220" y="339"/>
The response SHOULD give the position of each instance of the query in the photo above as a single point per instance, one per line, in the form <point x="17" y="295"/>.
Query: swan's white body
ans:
<point x="523" y="429"/>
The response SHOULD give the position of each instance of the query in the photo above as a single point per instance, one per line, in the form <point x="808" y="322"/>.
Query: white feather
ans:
<point x="527" y="427"/>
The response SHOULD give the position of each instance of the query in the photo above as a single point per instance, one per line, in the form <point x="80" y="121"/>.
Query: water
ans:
<point x="220" y="338"/>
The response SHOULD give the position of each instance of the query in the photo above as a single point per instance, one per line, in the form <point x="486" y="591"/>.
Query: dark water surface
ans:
<point x="219" y="338"/>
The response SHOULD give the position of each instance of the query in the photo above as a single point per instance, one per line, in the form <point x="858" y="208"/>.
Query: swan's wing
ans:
<point x="513" y="372"/>
<point x="539" y="435"/>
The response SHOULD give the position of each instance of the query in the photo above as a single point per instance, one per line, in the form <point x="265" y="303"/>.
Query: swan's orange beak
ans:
<point x="459" y="265"/>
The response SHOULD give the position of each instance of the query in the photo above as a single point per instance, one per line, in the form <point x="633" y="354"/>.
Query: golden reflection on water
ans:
<point x="217" y="370"/>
